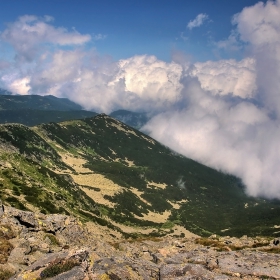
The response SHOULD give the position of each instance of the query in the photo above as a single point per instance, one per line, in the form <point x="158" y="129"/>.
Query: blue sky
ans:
<point x="207" y="71"/>
<point x="138" y="27"/>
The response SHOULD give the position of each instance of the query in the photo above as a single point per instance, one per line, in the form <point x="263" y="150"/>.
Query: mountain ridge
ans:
<point x="103" y="170"/>
<point x="32" y="110"/>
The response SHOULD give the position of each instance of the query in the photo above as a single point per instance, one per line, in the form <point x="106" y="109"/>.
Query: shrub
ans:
<point x="167" y="225"/>
<point x="273" y="250"/>
<point x="5" y="250"/>
<point x="52" y="238"/>
<point x="56" y="268"/>
<point x="5" y="274"/>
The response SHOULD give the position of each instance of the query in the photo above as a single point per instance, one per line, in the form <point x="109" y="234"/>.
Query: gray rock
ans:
<point x="221" y="277"/>
<point x="35" y="249"/>
<point x="19" y="218"/>
<point x="276" y="241"/>
<point x="1" y="208"/>
<point x="54" y="223"/>
<point x="48" y="259"/>
<point x="248" y="263"/>
<point x="17" y="256"/>
<point x="76" y="273"/>
<point x="187" y="271"/>
<point x="212" y="263"/>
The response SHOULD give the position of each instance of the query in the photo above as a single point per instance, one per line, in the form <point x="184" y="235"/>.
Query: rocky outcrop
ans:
<point x="59" y="247"/>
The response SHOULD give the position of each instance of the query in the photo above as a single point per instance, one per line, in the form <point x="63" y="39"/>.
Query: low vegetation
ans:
<point x="207" y="201"/>
<point x="5" y="274"/>
<point x="58" y="267"/>
<point x="228" y="246"/>
<point x="5" y="246"/>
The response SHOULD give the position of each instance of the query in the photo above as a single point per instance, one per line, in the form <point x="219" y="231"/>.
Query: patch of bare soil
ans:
<point x="157" y="185"/>
<point x="106" y="186"/>
<point x="75" y="162"/>
<point x="156" y="217"/>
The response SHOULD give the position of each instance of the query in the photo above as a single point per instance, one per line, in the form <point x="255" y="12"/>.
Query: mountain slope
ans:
<point x="100" y="169"/>
<point x="136" y="120"/>
<point x="36" y="102"/>
<point x="34" y="109"/>
<point x="34" y="117"/>
<point x="4" y="92"/>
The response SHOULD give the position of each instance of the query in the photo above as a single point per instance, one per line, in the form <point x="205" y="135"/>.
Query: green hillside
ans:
<point x="102" y="170"/>
<point x="32" y="110"/>
<point x="36" y="102"/>
<point x="35" y="117"/>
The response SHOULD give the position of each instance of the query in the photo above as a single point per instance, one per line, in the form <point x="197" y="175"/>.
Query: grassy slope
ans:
<point x="215" y="201"/>
<point x="36" y="102"/>
<point x="31" y="117"/>
<point x="32" y="110"/>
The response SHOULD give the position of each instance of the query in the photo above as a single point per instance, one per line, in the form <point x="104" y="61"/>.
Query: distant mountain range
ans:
<point x="4" y="92"/>
<point x="37" y="102"/>
<point x="32" y="110"/>
<point x="136" y="120"/>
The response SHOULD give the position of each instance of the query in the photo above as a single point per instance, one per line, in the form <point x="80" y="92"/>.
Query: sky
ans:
<point x="207" y="71"/>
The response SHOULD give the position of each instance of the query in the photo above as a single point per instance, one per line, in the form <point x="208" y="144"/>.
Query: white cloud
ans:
<point x="259" y="27"/>
<point x="99" y="36"/>
<point x="20" y="86"/>
<point x="231" y="44"/>
<point x="235" y="136"/>
<point x="259" y="24"/>
<point x="227" y="76"/>
<point x="137" y="83"/>
<point x="4" y="64"/>
<point x="155" y="82"/>
<point x="198" y="21"/>
<point x="14" y="81"/>
<point x="28" y="34"/>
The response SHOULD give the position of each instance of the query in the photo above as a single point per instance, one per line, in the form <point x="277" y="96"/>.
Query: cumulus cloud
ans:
<point x="231" y="44"/>
<point x="259" y="27"/>
<point x="227" y="76"/>
<point x="20" y="86"/>
<point x="155" y="82"/>
<point x="236" y="138"/>
<point x="198" y="21"/>
<point x="29" y="32"/>
<point x="259" y="24"/>
<point x="239" y="136"/>
<point x="222" y="113"/>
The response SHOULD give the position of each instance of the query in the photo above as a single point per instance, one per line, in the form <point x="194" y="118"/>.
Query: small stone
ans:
<point x="212" y="264"/>
<point x="44" y="248"/>
<point x="1" y="209"/>
<point x="145" y="249"/>
<point x="276" y="241"/>
<point x="76" y="273"/>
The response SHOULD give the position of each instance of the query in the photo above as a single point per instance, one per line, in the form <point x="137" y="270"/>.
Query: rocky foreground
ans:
<point x="37" y="246"/>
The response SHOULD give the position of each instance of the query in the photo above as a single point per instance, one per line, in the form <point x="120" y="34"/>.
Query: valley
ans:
<point x="101" y="170"/>
<point x="94" y="198"/>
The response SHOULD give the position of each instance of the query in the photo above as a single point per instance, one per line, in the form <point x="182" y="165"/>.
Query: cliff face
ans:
<point x="38" y="246"/>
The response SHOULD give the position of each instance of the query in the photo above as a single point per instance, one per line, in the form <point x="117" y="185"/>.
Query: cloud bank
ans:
<point x="222" y="113"/>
